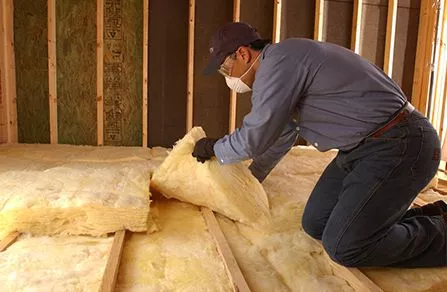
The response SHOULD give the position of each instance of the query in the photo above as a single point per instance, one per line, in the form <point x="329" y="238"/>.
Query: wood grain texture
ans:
<point x="8" y="240"/>
<point x="144" y="105"/>
<point x="113" y="263"/>
<point x="231" y="265"/>
<point x="52" y="85"/>
<point x="390" y="37"/>
<point x="123" y="64"/>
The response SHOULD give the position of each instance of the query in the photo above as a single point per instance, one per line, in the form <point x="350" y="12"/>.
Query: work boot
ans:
<point x="433" y="209"/>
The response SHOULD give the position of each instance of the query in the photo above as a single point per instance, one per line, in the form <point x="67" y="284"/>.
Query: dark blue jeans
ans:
<point x="358" y="205"/>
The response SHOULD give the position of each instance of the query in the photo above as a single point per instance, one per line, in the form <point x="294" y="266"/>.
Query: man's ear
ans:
<point x="244" y="54"/>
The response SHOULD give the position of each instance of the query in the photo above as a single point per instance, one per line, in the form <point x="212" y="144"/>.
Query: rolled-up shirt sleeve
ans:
<point x="279" y="83"/>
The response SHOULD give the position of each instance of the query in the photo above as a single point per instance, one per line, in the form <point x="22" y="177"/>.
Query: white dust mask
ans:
<point x="237" y="84"/>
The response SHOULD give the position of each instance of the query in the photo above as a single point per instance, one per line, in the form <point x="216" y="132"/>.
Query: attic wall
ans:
<point x="168" y="64"/>
<point x="259" y="14"/>
<point x="123" y="64"/>
<point x="30" y="27"/>
<point x="76" y="42"/>
<point x="211" y="94"/>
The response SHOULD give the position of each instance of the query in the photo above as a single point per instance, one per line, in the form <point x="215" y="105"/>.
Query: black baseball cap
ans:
<point x="226" y="41"/>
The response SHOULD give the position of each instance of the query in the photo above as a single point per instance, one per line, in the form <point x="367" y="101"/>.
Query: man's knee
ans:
<point x="312" y="228"/>
<point x="346" y="254"/>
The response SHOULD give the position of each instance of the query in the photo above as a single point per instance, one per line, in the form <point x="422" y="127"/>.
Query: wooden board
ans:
<point x="390" y="37"/>
<point x="337" y="23"/>
<point x="168" y="71"/>
<point x="211" y="94"/>
<point x="31" y="54"/>
<point x="8" y="240"/>
<point x="356" y="25"/>
<point x="190" y="89"/>
<point x="76" y="71"/>
<point x="123" y="53"/>
<point x="144" y="105"/>
<point x="123" y="64"/>
<point x="319" y="20"/>
<point x="423" y="56"/>
<point x="52" y="85"/>
<point x="405" y="47"/>
<point x="359" y="281"/>
<point x="113" y="263"/>
<point x="231" y="265"/>
<point x="100" y="72"/>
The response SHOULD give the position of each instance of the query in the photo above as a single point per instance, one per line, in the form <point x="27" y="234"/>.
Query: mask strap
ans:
<point x="251" y="66"/>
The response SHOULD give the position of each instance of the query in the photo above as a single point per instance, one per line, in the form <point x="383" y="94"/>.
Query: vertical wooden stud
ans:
<point x="100" y="71"/>
<point x="145" y="70"/>
<point x="233" y="94"/>
<point x="319" y="17"/>
<point x="424" y="52"/>
<point x="190" y="88"/>
<point x="390" y="37"/>
<point x="8" y="70"/>
<point x="276" y="21"/>
<point x="356" y="26"/>
<point x="437" y="109"/>
<point x="52" y="85"/>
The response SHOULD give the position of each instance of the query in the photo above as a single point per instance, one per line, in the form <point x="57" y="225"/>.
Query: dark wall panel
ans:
<point x="297" y="19"/>
<point x="76" y="71"/>
<point x="168" y="51"/>
<point x="259" y="14"/>
<point x="211" y="94"/>
<point x="123" y="52"/>
<point x="405" y="48"/>
<point x="31" y="59"/>
<point x="373" y="32"/>
<point x="337" y="24"/>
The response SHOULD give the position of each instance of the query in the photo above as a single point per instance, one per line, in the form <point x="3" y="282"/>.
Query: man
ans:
<point x="335" y="99"/>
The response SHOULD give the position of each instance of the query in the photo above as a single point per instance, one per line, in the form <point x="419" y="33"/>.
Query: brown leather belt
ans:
<point x="400" y="116"/>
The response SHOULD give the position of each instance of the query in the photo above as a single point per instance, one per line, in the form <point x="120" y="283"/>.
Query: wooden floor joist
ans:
<point x="8" y="240"/>
<point x="113" y="263"/>
<point x="355" y="278"/>
<point x="233" y="270"/>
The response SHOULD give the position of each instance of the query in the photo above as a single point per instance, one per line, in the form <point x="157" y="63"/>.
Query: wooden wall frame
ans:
<point x="8" y="73"/>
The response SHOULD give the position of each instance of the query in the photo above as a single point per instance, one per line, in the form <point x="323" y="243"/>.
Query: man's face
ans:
<point x="238" y="63"/>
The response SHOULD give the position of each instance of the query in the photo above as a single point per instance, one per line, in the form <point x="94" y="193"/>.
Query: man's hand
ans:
<point x="204" y="149"/>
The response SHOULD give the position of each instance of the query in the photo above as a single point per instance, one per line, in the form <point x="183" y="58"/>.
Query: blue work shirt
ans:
<point x="328" y="94"/>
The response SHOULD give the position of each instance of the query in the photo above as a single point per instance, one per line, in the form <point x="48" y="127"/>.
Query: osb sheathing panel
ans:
<point x="405" y="47"/>
<point x="373" y="32"/>
<point x="76" y="71"/>
<point x="259" y="14"/>
<point x="337" y="23"/>
<point x="168" y="48"/>
<point x="123" y="52"/>
<point x="31" y="59"/>
<point x="211" y="94"/>
<point x="297" y="19"/>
